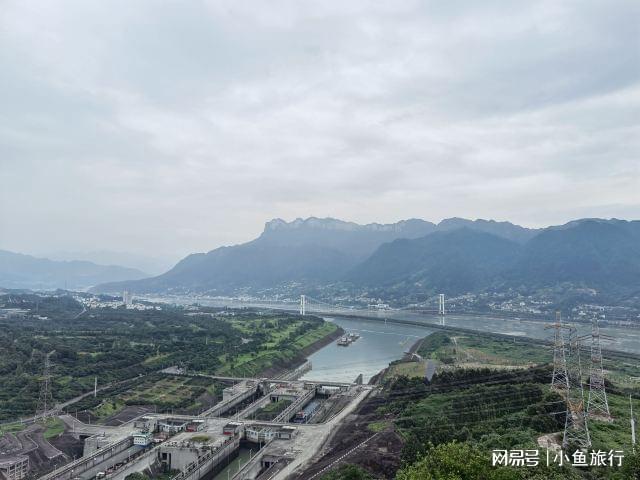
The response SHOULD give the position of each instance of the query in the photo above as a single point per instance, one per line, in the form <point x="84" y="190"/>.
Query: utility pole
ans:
<point x="560" y="377"/>
<point x="576" y="430"/>
<point x="303" y="305"/>
<point x="597" y="404"/>
<point x="95" y="387"/>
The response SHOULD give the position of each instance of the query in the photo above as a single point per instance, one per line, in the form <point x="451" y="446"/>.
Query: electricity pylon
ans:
<point x="597" y="404"/>
<point x="45" y="401"/>
<point x="576" y="430"/>
<point x="560" y="377"/>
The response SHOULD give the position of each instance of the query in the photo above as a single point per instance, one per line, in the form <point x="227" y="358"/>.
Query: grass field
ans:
<point x="277" y="347"/>
<point x="407" y="369"/>
<point x="12" y="428"/>
<point x="616" y="435"/>
<point x="165" y="392"/>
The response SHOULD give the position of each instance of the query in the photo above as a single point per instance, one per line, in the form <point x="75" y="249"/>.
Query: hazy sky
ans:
<point x="167" y="127"/>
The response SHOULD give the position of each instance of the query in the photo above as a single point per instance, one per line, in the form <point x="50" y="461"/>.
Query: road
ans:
<point x="316" y="436"/>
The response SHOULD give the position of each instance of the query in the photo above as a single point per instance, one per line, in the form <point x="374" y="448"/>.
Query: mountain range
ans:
<point x="28" y="272"/>
<point x="453" y="256"/>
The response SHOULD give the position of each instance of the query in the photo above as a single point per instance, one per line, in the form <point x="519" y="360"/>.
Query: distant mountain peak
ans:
<point x="329" y="223"/>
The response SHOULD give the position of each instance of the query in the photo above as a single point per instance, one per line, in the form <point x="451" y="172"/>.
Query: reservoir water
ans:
<point x="382" y="343"/>
<point x="624" y="339"/>
<point x="379" y="344"/>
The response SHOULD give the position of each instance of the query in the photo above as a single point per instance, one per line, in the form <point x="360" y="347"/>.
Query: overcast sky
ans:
<point x="169" y="127"/>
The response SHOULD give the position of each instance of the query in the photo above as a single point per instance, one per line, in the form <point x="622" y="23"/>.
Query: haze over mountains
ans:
<point x="25" y="271"/>
<point x="454" y="256"/>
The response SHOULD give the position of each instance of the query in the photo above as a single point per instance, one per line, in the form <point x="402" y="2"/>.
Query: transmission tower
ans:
<point x="597" y="404"/>
<point x="576" y="430"/>
<point x="45" y="401"/>
<point x="560" y="377"/>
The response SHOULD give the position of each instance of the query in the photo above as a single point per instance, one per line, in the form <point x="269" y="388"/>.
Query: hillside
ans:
<point x="455" y="262"/>
<point x="454" y="256"/>
<point x="312" y="250"/>
<point x="595" y="253"/>
<point x="24" y="271"/>
<point x="599" y="254"/>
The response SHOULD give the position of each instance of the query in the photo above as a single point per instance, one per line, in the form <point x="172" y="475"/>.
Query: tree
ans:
<point x="454" y="461"/>
<point x="463" y="461"/>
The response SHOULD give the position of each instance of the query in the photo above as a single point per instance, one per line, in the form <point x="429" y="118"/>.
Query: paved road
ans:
<point x="315" y="436"/>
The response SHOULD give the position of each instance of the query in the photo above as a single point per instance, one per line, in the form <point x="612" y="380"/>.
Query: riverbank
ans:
<point x="301" y="357"/>
<point x="622" y="354"/>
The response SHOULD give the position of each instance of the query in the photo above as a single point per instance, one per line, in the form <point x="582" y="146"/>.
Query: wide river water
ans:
<point x="381" y="343"/>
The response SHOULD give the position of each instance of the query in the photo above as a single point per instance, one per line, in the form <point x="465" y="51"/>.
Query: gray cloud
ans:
<point x="171" y="127"/>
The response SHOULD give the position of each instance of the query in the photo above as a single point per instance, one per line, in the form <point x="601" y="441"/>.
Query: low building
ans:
<point x="14" y="467"/>
<point x="173" y="425"/>
<point x="259" y="433"/>
<point x="146" y="423"/>
<point x="232" y="428"/>
<point x="286" y="432"/>
<point x="285" y="394"/>
<point x="142" y="438"/>
<point x="195" y="426"/>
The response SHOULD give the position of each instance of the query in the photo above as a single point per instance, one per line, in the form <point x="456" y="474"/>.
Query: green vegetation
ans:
<point x="281" y="340"/>
<point x="483" y="350"/>
<point x="378" y="426"/>
<point x="490" y="409"/>
<point x="271" y="410"/>
<point x="118" y="345"/>
<point x="53" y="428"/>
<point x="347" y="472"/>
<point x="12" y="427"/>
<point x="491" y="393"/>
<point x="463" y="461"/>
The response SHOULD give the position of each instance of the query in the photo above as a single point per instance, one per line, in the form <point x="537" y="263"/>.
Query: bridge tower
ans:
<point x="441" y="310"/>
<point x="303" y="304"/>
<point x="597" y="403"/>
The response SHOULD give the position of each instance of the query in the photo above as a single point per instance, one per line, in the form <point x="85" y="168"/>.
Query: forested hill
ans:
<point x="603" y="255"/>
<point x="454" y="256"/>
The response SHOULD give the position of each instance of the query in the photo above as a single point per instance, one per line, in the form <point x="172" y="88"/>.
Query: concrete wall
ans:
<point x="140" y="465"/>
<point x="87" y="467"/>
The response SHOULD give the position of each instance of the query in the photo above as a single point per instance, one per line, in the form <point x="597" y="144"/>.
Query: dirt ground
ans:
<point x="127" y="414"/>
<point x="354" y="443"/>
<point x="44" y="456"/>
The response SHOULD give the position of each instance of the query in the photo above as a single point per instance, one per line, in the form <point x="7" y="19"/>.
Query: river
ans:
<point x="382" y="343"/>
<point x="624" y="339"/>
<point x="379" y="344"/>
